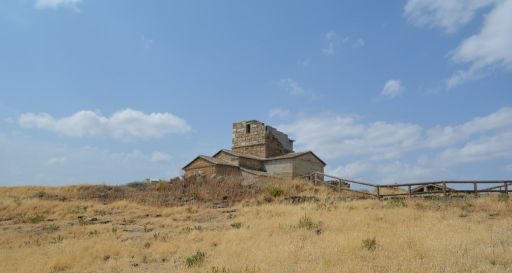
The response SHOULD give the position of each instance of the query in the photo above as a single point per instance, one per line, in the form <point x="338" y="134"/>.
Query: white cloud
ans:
<point x="334" y="136"/>
<point x="352" y="170"/>
<point x="26" y="159"/>
<point x="55" y="4"/>
<point x="304" y="63"/>
<point x="485" y="148"/>
<point x="481" y="52"/>
<point x="291" y="86"/>
<point x="447" y="135"/>
<point x="360" y="42"/>
<point x="398" y="172"/>
<point x="332" y="42"/>
<point x="489" y="48"/>
<point x="377" y="147"/>
<point x="147" y="43"/>
<point x="160" y="157"/>
<point x="124" y="124"/>
<point x="392" y="88"/>
<point x="56" y="160"/>
<point x="381" y="172"/>
<point x="446" y="14"/>
<point x="279" y="113"/>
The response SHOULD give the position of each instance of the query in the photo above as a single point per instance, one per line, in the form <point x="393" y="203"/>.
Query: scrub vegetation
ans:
<point x="233" y="227"/>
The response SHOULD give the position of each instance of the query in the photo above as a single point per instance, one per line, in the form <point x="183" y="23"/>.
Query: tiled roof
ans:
<point x="219" y="161"/>
<point x="216" y="160"/>
<point x="286" y="156"/>
<point x="260" y="173"/>
<point x="213" y="160"/>
<point x="239" y="154"/>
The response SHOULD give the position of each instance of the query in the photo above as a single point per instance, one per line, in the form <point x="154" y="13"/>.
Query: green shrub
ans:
<point x="275" y="191"/>
<point x="198" y="228"/>
<point x="307" y="223"/>
<point x="79" y="209"/>
<point x="503" y="198"/>
<point x="34" y="219"/>
<point x="56" y="239"/>
<point x="41" y="194"/>
<point x="218" y="270"/>
<point x="370" y="244"/>
<point x="52" y="228"/>
<point x="397" y="202"/>
<point x="236" y="225"/>
<point x="196" y="259"/>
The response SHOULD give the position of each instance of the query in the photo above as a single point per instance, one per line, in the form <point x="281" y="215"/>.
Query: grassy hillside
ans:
<point x="252" y="228"/>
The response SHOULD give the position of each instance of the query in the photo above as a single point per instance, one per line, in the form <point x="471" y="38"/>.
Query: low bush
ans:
<point x="196" y="259"/>
<point x="236" y="225"/>
<point x="503" y="197"/>
<point x="34" y="219"/>
<point x="307" y="223"/>
<point x="369" y="244"/>
<point x="275" y="191"/>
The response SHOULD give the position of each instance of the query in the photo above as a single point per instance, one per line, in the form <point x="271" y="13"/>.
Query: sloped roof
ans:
<point x="238" y="154"/>
<point x="286" y="156"/>
<point x="260" y="173"/>
<point x="212" y="160"/>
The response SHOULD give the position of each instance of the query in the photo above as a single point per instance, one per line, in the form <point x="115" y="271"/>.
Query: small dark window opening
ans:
<point x="247" y="128"/>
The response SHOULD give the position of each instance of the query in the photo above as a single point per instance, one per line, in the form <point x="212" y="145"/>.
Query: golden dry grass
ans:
<point x="44" y="234"/>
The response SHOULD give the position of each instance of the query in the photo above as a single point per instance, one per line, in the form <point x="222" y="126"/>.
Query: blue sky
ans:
<point x="115" y="91"/>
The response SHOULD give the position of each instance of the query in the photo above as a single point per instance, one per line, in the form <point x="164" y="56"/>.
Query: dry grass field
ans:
<point x="250" y="229"/>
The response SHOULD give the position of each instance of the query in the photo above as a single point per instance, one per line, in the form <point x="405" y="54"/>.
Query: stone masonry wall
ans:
<point x="200" y="166"/>
<point x="254" y="138"/>
<point x="256" y="150"/>
<point x="273" y="147"/>
<point x="228" y="157"/>
<point x="250" y="142"/>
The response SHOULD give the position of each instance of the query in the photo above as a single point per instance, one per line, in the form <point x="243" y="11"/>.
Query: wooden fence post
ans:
<point x="378" y="192"/>
<point x="410" y="191"/>
<point x="339" y="185"/>
<point x="475" y="188"/>
<point x="314" y="178"/>
<point x="444" y="189"/>
<point x="506" y="187"/>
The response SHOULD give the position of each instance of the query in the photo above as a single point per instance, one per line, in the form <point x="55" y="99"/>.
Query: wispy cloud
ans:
<point x="490" y="48"/>
<point x="146" y="42"/>
<point x="360" y="42"/>
<point x="55" y="4"/>
<point x="304" y="63"/>
<point x="124" y="124"/>
<point x="333" y="42"/>
<point x="448" y="15"/>
<point x="160" y="157"/>
<point x="291" y="86"/>
<point x="481" y="52"/>
<point x="393" y="88"/>
<point x="56" y="160"/>
<point x="387" y="149"/>
<point x="279" y="113"/>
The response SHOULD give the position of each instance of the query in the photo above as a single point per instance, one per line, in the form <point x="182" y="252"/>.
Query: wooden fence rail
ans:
<point x="433" y="187"/>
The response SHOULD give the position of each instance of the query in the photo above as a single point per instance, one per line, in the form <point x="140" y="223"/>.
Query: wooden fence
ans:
<point x="411" y="189"/>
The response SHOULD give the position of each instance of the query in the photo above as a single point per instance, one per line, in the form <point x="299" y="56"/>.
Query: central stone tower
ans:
<point x="257" y="139"/>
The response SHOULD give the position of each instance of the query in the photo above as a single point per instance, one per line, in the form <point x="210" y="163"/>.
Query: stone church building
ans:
<point x="257" y="150"/>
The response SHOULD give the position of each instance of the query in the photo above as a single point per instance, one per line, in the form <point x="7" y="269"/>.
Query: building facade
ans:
<point x="257" y="150"/>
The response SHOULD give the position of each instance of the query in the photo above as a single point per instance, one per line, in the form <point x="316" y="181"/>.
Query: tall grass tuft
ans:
<point x="196" y="259"/>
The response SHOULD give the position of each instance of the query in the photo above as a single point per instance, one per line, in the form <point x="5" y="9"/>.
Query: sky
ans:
<point x="384" y="91"/>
